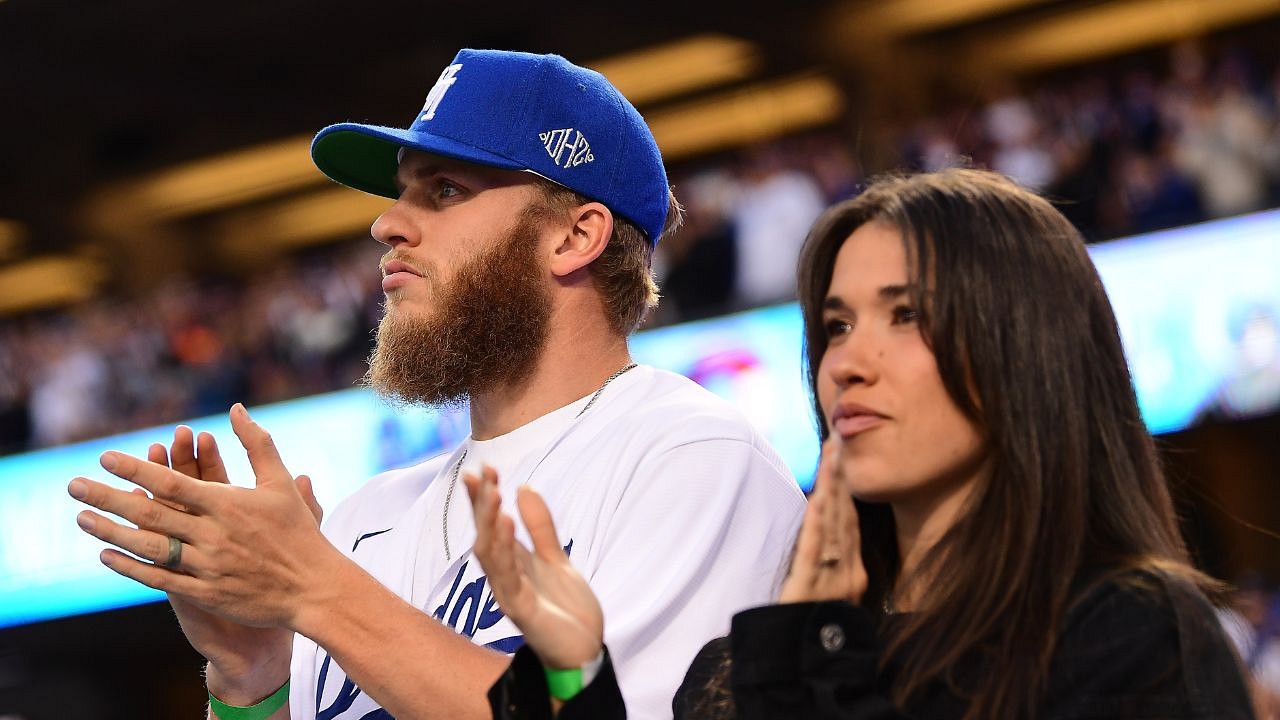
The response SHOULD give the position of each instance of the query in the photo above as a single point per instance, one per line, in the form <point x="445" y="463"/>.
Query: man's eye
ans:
<point x="448" y="190"/>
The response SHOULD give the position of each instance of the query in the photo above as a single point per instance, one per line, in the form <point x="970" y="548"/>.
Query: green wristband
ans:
<point x="563" y="684"/>
<point x="261" y="711"/>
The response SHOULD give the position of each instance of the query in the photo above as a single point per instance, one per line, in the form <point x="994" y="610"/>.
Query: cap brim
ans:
<point x="366" y="157"/>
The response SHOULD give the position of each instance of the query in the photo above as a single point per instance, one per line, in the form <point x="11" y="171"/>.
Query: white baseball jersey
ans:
<point x="666" y="499"/>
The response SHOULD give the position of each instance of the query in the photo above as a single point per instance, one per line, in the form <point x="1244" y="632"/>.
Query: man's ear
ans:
<point x="585" y="235"/>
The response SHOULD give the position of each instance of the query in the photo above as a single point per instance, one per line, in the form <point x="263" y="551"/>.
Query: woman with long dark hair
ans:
<point x="1012" y="550"/>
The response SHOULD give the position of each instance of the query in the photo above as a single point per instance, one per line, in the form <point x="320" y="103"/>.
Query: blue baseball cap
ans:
<point x="518" y="111"/>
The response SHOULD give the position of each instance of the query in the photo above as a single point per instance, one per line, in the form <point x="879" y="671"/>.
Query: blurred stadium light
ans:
<point x="48" y="281"/>
<point x="684" y="65"/>
<point x="320" y="215"/>
<point x="1113" y="28"/>
<point x="908" y="17"/>
<point x="227" y="180"/>
<point x="12" y="237"/>
<point x="753" y="113"/>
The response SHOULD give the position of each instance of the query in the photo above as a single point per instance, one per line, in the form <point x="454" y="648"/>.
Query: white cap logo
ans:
<point x="438" y="90"/>
<point x="567" y="147"/>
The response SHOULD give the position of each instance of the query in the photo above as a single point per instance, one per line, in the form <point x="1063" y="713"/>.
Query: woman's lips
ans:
<point x="851" y="425"/>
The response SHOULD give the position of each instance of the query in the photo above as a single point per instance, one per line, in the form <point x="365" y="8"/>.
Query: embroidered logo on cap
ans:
<point x="438" y="90"/>
<point x="567" y="147"/>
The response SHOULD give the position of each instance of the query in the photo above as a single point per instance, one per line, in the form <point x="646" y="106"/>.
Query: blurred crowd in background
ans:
<point x="1157" y="144"/>
<point x="1132" y="150"/>
<point x="191" y="348"/>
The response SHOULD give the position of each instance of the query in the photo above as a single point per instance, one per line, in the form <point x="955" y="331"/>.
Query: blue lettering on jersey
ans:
<point x="366" y="536"/>
<point x="507" y="644"/>
<point x="346" y="695"/>
<point x="480" y="616"/>
<point x="469" y="598"/>
<point x="490" y="615"/>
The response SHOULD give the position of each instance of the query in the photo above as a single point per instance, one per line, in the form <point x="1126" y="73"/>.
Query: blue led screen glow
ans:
<point x="1198" y="308"/>
<point x="1199" y="311"/>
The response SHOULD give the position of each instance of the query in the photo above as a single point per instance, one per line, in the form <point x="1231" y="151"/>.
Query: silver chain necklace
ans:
<point x="457" y="467"/>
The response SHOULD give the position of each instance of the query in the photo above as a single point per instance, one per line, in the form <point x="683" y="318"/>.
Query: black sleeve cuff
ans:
<point x="521" y="693"/>
<point x="788" y="642"/>
<point x="806" y="660"/>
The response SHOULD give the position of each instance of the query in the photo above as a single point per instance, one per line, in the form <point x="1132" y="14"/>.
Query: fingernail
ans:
<point x="78" y="489"/>
<point x="85" y="521"/>
<point x="109" y="461"/>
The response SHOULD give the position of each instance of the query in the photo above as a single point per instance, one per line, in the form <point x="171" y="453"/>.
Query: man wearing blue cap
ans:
<point x="529" y="197"/>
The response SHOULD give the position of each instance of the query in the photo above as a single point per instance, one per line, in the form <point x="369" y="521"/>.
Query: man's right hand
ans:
<point x="540" y="591"/>
<point x="245" y="663"/>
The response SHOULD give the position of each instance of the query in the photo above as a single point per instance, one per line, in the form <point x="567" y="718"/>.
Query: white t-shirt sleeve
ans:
<point x="704" y="530"/>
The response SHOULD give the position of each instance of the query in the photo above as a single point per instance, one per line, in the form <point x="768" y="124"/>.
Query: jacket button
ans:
<point x="832" y="637"/>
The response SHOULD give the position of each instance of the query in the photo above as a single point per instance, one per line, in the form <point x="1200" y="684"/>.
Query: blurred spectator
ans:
<point x="1219" y="147"/>
<point x="700" y="262"/>
<point x="771" y="217"/>
<point x="15" y="421"/>
<point x="934" y="147"/>
<point x="1020" y="153"/>
<point x="828" y="158"/>
<point x="69" y="384"/>
<point x="1154" y="194"/>
<point x="1252" y="621"/>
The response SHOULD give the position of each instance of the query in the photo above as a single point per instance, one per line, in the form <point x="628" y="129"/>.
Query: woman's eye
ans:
<point x="836" y="327"/>
<point x="903" y="314"/>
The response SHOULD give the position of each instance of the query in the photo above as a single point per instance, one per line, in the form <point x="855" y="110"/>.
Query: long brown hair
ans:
<point x="1027" y="347"/>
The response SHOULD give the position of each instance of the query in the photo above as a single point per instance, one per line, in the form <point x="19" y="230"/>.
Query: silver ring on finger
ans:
<point x="174" y="558"/>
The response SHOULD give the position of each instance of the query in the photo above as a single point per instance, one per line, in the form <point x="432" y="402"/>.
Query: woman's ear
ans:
<point x="588" y="231"/>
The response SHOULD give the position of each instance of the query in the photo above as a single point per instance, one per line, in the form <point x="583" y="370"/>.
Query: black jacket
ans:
<point x="1127" y="651"/>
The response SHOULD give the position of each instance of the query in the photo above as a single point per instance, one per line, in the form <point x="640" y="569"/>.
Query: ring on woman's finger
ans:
<point x="174" y="558"/>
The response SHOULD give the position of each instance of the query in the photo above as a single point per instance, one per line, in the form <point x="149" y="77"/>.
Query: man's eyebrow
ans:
<point x="418" y="173"/>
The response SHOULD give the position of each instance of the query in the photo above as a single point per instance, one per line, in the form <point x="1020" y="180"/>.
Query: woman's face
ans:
<point x="902" y="439"/>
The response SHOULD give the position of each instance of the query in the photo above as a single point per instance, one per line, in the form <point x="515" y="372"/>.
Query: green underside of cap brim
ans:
<point x="360" y="161"/>
<point x="366" y="157"/>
